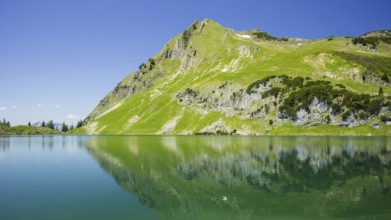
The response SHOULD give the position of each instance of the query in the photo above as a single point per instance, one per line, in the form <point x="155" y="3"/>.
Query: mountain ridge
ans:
<point x="205" y="73"/>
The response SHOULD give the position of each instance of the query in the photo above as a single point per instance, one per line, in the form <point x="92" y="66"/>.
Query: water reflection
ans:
<point x="250" y="177"/>
<point x="45" y="142"/>
<point x="4" y="144"/>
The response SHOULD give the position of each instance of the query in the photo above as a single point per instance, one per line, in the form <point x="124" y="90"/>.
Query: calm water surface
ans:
<point x="187" y="177"/>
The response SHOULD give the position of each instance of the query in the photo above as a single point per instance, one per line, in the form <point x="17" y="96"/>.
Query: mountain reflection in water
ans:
<point x="185" y="177"/>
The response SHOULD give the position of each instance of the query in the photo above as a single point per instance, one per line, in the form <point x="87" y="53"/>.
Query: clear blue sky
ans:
<point x="58" y="58"/>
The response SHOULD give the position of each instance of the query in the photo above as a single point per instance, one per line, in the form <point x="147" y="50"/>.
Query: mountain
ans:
<point x="214" y="80"/>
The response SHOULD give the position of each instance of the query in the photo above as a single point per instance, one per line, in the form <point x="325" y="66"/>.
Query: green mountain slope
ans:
<point x="210" y="79"/>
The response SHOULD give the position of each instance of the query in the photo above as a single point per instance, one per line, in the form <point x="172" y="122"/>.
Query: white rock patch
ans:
<point x="169" y="126"/>
<point x="91" y="128"/>
<point x="243" y="36"/>
<point x="110" y="110"/>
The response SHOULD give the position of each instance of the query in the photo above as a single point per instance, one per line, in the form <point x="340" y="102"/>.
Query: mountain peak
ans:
<point x="211" y="79"/>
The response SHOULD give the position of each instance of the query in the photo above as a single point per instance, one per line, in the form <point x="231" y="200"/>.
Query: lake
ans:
<point x="194" y="177"/>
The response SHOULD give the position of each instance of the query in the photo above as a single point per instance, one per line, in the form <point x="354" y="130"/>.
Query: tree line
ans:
<point x="64" y="127"/>
<point x="49" y="124"/>
<point x="5" y="123"/>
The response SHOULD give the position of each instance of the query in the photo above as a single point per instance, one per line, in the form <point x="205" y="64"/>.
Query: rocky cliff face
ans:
<point x="280" y="96"/>
<point x="210" y="79"/>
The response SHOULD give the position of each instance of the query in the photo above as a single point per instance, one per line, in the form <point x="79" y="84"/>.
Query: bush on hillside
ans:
<point x="257" y="83"/>
<point x="375" y="65"/>
<point x="372" y="42"/>
<point x="264" y="35"/>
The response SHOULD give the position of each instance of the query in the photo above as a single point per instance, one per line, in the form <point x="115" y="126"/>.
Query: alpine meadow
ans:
<point x="215" y="80"/>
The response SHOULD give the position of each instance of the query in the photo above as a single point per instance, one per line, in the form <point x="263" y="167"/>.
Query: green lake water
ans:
<point x="194" y="177"/>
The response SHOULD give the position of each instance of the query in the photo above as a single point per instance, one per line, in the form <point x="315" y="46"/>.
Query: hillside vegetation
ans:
<point x="26" y="130"/>
<point x="214" y="80"/>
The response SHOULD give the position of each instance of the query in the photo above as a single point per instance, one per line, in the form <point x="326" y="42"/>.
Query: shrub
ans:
<point x="368" y="41"/>
<point x="345" y="115"/>
<point x="374" y="106"/>
<point x="384" y="118"/>
<point x="375" y="65"/>
<point x="380" y="91"/>
<point x="264" y="35"/>
<point x="272" y="92"/>
<point x="327" y="119"/>
<point x="385" y="78"/>
<point x="336" y="109"/>
<point x="363" y="115"/>
<point x="257" y="83"/>
<point x="292" y="83"/>
<point x="191" y="92"/>
<point x="219" y="132"/>
<point x="341" y="86"/>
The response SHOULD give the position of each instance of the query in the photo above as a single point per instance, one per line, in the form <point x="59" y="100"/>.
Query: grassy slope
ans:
<point x="148" y="112"/>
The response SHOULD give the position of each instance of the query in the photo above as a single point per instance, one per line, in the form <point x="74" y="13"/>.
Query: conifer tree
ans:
<point x="64" y="127"/>
<point x="79" y="124"/>
<point x="50" y="124"/>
